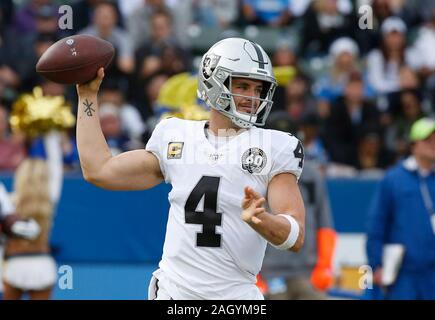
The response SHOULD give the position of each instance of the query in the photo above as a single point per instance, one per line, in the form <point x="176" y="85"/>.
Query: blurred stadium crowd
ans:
<point x="350" y="93"/>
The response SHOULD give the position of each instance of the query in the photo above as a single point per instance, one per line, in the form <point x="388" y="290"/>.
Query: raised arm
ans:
<point x="133" y="170"/>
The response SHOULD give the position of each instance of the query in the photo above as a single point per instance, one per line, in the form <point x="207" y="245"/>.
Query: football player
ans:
<point x="234" y="186"/>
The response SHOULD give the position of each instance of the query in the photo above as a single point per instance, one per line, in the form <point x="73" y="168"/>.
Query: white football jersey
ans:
<point x="209" y="249"/>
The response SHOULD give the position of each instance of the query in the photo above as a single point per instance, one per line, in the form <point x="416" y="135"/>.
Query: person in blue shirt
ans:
<point x="403" y="213"/>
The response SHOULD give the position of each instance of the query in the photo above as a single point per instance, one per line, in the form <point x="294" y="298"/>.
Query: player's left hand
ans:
<point x="252" y="206"/>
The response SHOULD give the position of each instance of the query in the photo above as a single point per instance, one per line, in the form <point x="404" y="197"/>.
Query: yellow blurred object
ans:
<point x="168" y="95"/>
<point x="179" y="95"/>
<point x="349" y="278"/>
<point x="187" y="92"/>
<point x="36" y="114"/>
<point x="284" y="75"/>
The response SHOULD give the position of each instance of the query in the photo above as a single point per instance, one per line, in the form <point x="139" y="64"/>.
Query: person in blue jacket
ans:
<point x="403" y="213"/>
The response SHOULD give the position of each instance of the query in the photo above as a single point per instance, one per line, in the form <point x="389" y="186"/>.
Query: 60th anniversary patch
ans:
<point x="254" y="160"/>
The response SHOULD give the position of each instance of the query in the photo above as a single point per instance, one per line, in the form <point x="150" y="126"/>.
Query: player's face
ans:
<point x="247" y="94"/>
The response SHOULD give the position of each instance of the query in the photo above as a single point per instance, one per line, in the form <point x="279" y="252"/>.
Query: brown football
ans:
<point x="75" y="59"/>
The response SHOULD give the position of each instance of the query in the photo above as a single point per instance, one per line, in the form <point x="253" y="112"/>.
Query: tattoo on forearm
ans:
<point x="88" y="110"/>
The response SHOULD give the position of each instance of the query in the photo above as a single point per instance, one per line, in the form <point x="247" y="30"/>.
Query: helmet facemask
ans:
<point x="225" y="103"/>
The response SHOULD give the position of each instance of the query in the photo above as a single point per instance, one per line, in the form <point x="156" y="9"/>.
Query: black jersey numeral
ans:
<point x="299" y="154"/>
<point x="207" y="187"/>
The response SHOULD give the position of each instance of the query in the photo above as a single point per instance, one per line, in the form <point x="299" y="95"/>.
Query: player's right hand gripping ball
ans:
<point x="75" y="59"/>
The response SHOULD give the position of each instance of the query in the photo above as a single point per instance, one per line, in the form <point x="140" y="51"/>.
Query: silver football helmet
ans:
<point x="236" y="58"/>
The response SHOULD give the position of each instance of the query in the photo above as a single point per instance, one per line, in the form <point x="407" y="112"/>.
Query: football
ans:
<point x="75" y="59"/>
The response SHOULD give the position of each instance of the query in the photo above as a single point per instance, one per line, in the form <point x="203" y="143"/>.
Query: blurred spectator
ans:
<point x="424" y="48"/>
<point x="40" y="44"/>
<point x="9" y="82"/>
<point x="128" y="7"/>
<point x="161" y="52"/>
<point x="418" y="11"/>
<point x="131" y="121"/>
<point x="12" y="149"/>
<point x="425" y="40"/>
<point x="105" y="26"/>
<point x="45" y="33"/>
<point x="47" y="20"/>
<point x="403" y="214"/>
<point x="30" y="267"/>
<point x="15" y="55"/>
<point x="303" y="276"/>
<point x="384" y="64"/>
<point x="152" y="89"/>
<point x="382" y="9"/>
<point x="372" y="155"/>
<point x="215" y="13"/>
<point x="273" y="13"/>
<point x="309" y="131"/>
<point x="139" y="22"/>
<point x="286" y="65"/>
<point x="389" y="104"/>
<point x="174" y="60"/>
<point x="348" y="117"/>
<point x="84" y="11"/>
<point x="111" y="127"/>
<point x="325" y="21"/>
<point x="298" y="100"/>
<point x="410" y="111"/>
<point x="10" y="56"/>
<point x="285" y="54"/>
<point x="344" y="55"/>
<point x="182" y="17"/>
<point x="408" y="79"/>
<point x="25" y="17"/>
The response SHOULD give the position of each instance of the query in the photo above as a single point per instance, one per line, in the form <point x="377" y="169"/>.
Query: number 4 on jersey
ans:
<point x="299" y="154"/>
<point x="209" y="218"/>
